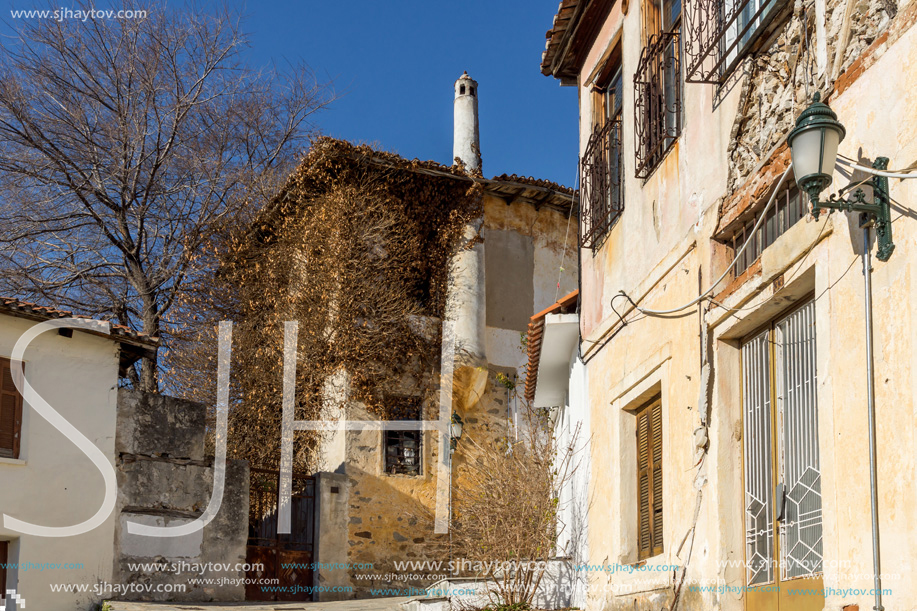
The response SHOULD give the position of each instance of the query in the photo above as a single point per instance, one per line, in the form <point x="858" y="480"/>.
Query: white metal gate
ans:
<point x="779" y="395"/>
<point x="797" y="420"/>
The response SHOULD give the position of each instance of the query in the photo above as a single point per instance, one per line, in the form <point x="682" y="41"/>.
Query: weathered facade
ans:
<point x="45" y="479"/>
<point x="165" y="479"/>
<point x="729" y="449"/>
<point x="507" y="263"/>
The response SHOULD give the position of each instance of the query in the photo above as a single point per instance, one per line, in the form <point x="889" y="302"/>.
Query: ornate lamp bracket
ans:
<point x="879" y="211"/>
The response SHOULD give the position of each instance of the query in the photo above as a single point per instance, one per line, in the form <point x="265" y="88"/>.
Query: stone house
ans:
<point x="395" y="479"/>
<point x="722" y="325"/>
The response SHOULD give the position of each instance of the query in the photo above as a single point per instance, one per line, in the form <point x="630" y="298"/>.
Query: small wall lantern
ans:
<point x="813" y="144"/>
<point x="456" y="427"/>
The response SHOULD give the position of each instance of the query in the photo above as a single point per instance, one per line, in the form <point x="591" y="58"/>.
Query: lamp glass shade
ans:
<point x="456" y="430"/>
<point x="815" y="151"/>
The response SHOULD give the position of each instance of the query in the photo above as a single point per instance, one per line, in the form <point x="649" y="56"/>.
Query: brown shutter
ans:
<point x="10" y="412"/>
<point x="649" y="480"/>
<point x="644" y="493"/>
<point x="656" y="429"/>
<point x="4" y="558"/>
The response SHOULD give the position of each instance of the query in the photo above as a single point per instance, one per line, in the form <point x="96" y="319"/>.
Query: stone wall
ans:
<point x="779" y="81"/>
<point x="165" y="479"/>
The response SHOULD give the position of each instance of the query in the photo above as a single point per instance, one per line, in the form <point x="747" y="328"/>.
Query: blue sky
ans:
<point x="394" y="62"/>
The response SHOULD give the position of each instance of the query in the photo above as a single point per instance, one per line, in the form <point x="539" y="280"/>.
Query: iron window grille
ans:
<point x="403" y="448"/>
<point x="602" y="184"/>
<point x="402" y="452"/>
<point x="788" y="209"/>
<point x="719" y="32"/>
<point x="657" y="101"/>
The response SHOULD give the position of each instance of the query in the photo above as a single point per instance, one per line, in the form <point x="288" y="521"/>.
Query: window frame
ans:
<point x="15" y="451"/>
<point x="790" y="207"/>
<point x="655" y="515"/>
<point x="602" y="164"/>
<point x="658" y="86"/>
<point x="408" y="409"/>
<point x="4" y="560"/>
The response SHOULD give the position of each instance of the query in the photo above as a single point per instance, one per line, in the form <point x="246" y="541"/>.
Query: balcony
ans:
<point x="719" y="32"/>
<point x="657" y="101"/>
<point x="602" y="184"/>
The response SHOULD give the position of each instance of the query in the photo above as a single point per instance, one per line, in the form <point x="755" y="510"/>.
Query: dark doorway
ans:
<point x="285" y="558"/>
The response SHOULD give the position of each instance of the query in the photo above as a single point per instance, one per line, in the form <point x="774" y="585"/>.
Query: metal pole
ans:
<point x="871" y="414"/>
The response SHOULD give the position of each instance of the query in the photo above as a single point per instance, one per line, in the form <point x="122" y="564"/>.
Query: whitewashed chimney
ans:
<point x="466" y="144"/>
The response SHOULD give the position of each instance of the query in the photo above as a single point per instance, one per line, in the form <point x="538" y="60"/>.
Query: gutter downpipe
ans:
<point x="871" y="414"/>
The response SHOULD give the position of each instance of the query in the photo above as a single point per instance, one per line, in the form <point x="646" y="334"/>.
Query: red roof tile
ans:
<point x="565" y="304"/>
<point x="24" y="309"/>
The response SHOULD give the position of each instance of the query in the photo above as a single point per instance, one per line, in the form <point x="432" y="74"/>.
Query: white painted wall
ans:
<point x="573" y="430"/>
<point x="54" y="483"/>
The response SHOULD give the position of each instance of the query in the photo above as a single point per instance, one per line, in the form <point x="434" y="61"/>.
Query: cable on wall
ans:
<point x="696" y="300"/>
<point x="851" y="163"/>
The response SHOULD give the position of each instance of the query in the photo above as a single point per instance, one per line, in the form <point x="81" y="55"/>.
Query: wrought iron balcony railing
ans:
<point x="657" y="101"/>
<point x="717" y="31"/>
<point x="602" y="184"/>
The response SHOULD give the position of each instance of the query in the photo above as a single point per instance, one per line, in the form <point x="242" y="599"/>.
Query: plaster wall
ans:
<point x="54" y="483"/>
<point x="662" y="253"/>
<point x="391" y="517"/>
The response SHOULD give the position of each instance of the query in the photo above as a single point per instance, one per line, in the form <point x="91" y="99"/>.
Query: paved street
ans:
<point x="372" y="604"/>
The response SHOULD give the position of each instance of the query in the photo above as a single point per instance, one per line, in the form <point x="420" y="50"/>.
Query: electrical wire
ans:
<point x="903" y="175"/>
<point x="696" y="300"/>
<point x="563" y="257"/>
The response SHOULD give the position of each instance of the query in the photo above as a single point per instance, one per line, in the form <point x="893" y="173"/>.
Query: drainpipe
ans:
<point x="871" y="414"/>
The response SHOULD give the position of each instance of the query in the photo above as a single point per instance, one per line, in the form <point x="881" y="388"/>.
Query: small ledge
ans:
<point x="15" y="462"/>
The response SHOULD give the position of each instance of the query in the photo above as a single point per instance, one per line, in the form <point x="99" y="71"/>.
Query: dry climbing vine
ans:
<point x="357" y="249"/>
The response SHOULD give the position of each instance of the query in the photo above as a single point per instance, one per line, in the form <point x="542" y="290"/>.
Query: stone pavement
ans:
<point x="370" y="604"/>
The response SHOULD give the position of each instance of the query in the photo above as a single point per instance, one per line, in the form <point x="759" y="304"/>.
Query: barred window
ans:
<point x="657" y="86"/>
<point x="718" y="33"/>
<point x="403" y="448"/>
<point x="602" y="166"/>
<point x="789" y="207"/>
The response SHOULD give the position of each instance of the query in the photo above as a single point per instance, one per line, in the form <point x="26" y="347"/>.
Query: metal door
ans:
<point x="286" y="559"/>
<point x="783" y="508"/>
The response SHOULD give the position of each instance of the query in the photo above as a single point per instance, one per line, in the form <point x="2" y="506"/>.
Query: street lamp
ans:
<point x="456" y="426"/>
<point x="813" y="145"/>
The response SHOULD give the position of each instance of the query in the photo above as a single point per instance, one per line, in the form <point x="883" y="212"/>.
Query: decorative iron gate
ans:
<point x="286" y="558"/>
<point x="783" y="504"/>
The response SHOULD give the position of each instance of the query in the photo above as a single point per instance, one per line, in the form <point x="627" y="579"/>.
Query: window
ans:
<point x="657" y="86"/>
<point x="720" y="32"/>
<point x="10" y="412"/>
<point x="602" y="168"/>
<point x="4" y="559"/>
<point x="748" y="17"/>
<point x="649" y="479"/>
<point x="781" y="455"/>
<point x="789" y="207"/>
<point x="403" y="448"/>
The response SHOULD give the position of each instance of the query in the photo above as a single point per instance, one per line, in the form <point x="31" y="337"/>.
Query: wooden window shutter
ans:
<point x="644" y="495"/>
<point x="10" y="412"/>
<point x="4" y="558"/>
<point x="656" y="430"/>
<point x="649" y="480"/>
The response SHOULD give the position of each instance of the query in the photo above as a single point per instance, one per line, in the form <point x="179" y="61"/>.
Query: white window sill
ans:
<point x="16" y="462"/>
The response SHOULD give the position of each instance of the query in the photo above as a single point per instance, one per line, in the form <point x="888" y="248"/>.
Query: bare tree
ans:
<point x="508" y="514"/>
<point x="124" y="144"/>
